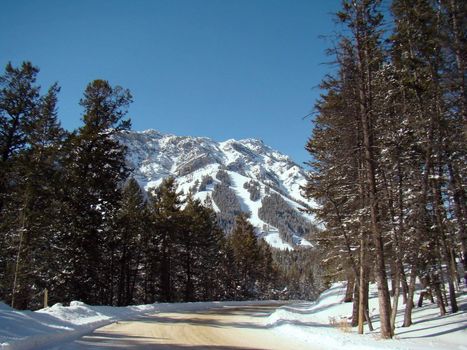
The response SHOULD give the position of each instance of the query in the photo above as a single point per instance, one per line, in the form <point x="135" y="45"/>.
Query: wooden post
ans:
<point x="46" y="298"/>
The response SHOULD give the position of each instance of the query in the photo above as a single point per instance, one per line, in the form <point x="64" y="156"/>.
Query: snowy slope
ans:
<point x="154" y="156"/>
<point x="322" y="324"/>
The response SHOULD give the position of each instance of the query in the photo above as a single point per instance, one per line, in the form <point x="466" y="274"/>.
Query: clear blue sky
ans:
<point x="216" y="68"/>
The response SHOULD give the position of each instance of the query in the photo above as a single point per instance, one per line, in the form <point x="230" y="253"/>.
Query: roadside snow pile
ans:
<point x="30" y="330"/>
<point x="4" y="306"/>
<point x="323" y="324"/>
<point x="45" y="328"/>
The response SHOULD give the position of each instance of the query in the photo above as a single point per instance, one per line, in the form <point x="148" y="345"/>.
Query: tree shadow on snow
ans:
<point x="103" y="340"/>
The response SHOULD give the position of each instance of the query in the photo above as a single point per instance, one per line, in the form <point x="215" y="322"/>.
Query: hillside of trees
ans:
<point x="388" y="148"/>
<point x="278" y="213"/>
<point x="73" y="221"/>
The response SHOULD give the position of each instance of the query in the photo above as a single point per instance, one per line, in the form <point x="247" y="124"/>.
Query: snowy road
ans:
<point x="224" y="328"/>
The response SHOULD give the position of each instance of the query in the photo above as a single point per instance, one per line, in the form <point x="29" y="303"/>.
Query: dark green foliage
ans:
<point x="95" y="171"/>
<point x="30" y="138"/>
<point x="228" y="204"/>
<point x="72" y="221"/>
<point x="19" y="106"/>
<point x="254" y="273"/>
<point x="278" y="213"/>
<point x="254" y="188"/>
<point x="185" y="258"/>
<point x="166" y="235"/>
<point x="130" y="243"/>
<point x="301" y="276"/>
<point x="224" y="177"/>
<point x="19" y="99"/>
<point x="105" y="107"/>
<point x="202" y="244"/>
<point x="386" y="149"/>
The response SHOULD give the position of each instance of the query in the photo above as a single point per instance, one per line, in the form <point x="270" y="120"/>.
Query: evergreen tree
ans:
<point x="30" y="139"/>
<point x="418" y="57"/>
<point x="387" y="150"/>
<point x="167" y="219"/>
<point x="95" y="171"/>
<point x="37" y="172"/>
<point x="131" y="225"/>
<point x="267" y="272"/>
<point x="247" y="256"/>
<point x="201" y="244"/>
<point x="19" y="97"/>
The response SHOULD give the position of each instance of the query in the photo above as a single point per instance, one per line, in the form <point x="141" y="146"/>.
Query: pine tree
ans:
<point x="247" y="256"/>
<point x="201" y="245"/>
<point x="19" y="96"/>
<point x="131" y="225"/>
<point x="454" y="13"/>
<point x="166" y="214"/>
<point x="338" y="180"/>
<point x="30" y="139"/>
<point x="95" y="171"/>
<point x="418" y="56"/>
<point x="37" y="173"/>
<point x="343" y="145"/>
<point x="267" y="272"/>
<point x="387" y="151"/>
<point x="18" y="105"/>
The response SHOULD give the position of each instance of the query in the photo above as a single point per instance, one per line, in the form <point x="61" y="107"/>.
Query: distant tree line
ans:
<point x="301" y="277"/>
<point x="388" y="167"/>
<point x="276" y="212"/>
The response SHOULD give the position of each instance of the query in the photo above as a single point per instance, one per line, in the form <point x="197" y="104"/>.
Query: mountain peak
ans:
<point x="256" y="173"/>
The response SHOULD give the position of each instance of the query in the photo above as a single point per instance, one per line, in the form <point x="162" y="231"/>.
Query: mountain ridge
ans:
<point x="255" y="172"/>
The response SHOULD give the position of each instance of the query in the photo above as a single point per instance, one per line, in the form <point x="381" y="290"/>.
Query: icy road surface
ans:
<point x="229" y="327"/>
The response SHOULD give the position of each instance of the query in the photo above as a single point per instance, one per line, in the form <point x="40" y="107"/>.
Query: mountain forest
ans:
<point x="74" y="221"/>
<point x="388" y="155"/>
<point x="386" y="176"/>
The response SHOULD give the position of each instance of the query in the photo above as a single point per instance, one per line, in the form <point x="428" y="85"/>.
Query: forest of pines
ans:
<point x="387" y="171"/>
<point x="73" y="220"/>
<point x="388" y="151"/>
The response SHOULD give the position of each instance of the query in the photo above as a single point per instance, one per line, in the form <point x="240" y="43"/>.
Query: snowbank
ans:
<point x="45" y="328"/>
<point x="319" y="324"/>
<point x="30" y="330"/>
<point x="316" y="323"/>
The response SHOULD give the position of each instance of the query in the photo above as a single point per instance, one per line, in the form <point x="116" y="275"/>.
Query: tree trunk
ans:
<point x="355" y="305"/>
<point x="411" y="292"/>
<point x="365" y="303"/>
<point x="362" y="283"/>
<point x="380" y="268"/>
<point x="17" y="269"/>
<point x="405" y="286"/>
<point x="439" y="295"/>
<point x="350" y="287"/>
<point x="459" y="209"/>
<point x="395" y="301"/>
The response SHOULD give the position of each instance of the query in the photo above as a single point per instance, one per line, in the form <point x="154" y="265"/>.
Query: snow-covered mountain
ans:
<point x="257" y="174"/>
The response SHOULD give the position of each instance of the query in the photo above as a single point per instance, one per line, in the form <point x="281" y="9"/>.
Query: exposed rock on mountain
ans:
<point x="235" y="175"/>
